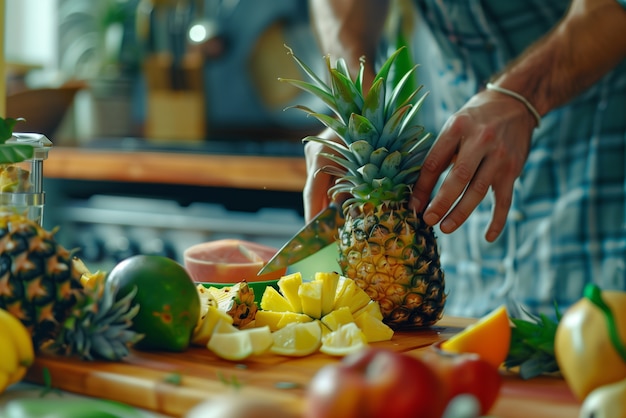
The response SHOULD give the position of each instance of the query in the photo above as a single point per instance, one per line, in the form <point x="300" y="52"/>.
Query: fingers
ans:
<point x="479" y="159"/>
<point x="438" y="160"/>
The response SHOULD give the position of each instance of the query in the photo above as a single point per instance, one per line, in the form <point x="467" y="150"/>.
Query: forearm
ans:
<point x="583" y="47"/>
<point x="350" y="29"/>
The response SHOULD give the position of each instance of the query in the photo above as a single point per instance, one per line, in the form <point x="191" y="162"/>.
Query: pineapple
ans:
<point x="385" y="247"/>
<point x="41" y="284"/>
<point x="237" y="301"/>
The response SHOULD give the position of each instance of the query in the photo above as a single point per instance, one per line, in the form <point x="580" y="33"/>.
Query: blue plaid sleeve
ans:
<point x="622" y="3"/>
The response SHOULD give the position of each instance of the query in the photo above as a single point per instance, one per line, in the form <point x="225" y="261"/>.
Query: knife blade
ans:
<point x="320" y="232"/>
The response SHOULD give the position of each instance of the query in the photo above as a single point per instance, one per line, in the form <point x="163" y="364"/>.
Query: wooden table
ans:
<point x="145" y="378"/>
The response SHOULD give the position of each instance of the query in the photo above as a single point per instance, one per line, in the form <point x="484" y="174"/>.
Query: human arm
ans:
<point x="487" y="141"/>
<point x="350" y="29"/>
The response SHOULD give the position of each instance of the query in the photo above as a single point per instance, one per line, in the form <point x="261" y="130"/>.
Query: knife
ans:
<point x="320" y="232"/>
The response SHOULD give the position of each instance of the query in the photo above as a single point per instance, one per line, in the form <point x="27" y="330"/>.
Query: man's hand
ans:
<point x="486" y="143"/>
<point x="315" y="192"/>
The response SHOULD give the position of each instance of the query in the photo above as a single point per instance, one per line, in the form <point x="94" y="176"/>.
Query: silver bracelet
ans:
<point x="519" y="97"/>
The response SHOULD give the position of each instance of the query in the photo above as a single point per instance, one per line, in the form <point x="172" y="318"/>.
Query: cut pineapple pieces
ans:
<point x="289" y="286"/>
<point x="297" y="339"/>
<point x="205" y="328"/>
<point x="278" y="320"/>
<point x="231" y="343"/>
<point x="347" y="339"/>
<point x="278" y="303"/>
<point x="337" y="318"/>
<point x="373" y="328"/>
<point x="331" y="299"/>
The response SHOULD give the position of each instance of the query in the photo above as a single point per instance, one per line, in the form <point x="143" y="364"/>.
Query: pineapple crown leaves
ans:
<point x="12" y="153"/>
<point x="532" y="345"/>
<point x="381" y="144"/>
<point x="100" y="325"/>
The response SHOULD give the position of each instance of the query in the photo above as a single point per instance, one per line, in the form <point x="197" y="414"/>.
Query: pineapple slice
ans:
<point x="205" y="328"/>
<point x="289" y="286"/>
<point x="241" y="344"/>
<point x="329" y="288"/>
<point x="347" y="339"/>
<point x="373" y="328"/>
<point x="277" y="320"/>
<point x="274" y="301"/>
<point x="297" y="339"/>
<point x="311" y="297"/>
<point x="338" y="317"/>
<point x="351" y="295"/>
<point x="373" y="307"/>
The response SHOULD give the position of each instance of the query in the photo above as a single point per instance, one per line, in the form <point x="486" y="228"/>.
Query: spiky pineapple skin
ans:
<point x="392" y="254"/>
<point x="38" y="283"/>
<point x="41" y="285"/>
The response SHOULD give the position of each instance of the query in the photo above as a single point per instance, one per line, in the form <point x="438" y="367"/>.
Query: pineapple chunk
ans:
<point x="203" y="331"/>
<point x="329" y="288"/>
<point x="290" y="317"/>
<point x="337" y="318"/>
<point x="351" y="295"/>
<point x="277" y="320"/>
<point x="311" y="297"/>
<point x="373" y="307"/>
<point x="346" y="340"/>
<point x="373" y="328"/>
<point x="225" y="326"/>
<point x="289" y="286"/>
<point x="274" y="301"/>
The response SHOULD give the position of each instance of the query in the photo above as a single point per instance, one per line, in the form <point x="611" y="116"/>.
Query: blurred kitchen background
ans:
<point x="168" y="76"/>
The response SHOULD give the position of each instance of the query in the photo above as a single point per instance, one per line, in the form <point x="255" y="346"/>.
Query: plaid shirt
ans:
<point x="567" y="223"/>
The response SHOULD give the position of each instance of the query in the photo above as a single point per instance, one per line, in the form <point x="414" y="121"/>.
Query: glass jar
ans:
<point x="21" y="184"/>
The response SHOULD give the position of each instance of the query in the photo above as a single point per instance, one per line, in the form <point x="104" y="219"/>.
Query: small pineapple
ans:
<point x="41" y="284"/>
<point x="385" y="247"/>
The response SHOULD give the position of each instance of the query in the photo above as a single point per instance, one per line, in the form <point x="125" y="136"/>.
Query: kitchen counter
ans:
<point x="275" y="166"/>
<point x="144" y="379"/>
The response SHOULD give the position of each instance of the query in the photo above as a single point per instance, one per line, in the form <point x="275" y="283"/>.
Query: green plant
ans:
<point x="12" y="153"/>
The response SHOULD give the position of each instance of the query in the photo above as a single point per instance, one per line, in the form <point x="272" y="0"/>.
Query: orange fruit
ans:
<point x="489" y="337"/>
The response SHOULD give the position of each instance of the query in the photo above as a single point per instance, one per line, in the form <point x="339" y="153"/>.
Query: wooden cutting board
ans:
<point x="172" y="383"/>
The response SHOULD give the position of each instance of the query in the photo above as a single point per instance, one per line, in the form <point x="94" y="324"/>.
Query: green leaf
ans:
<point x="374" y="105"/>
<point x="532" y="345"/>
<point x="384" y="70"/>
<point x="360" y="128"/>
<point x="15" y="153"/>
<point x="397" y="95"/>
<point x="378" y="156"/>
<point x="324" y="95"/>
<point x="348" y="99"/>
<point x="369" y="172"/>
<point x="309" y="72"/>
<point x="334" y="124"/>
<point x="6" y="128"/>
<point x="362" y="151"/>
<point x="390" y="165"/>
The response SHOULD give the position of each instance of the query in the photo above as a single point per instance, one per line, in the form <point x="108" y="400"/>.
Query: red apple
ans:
<point x="465" y="373"/>
<point x="375" y="383"/>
